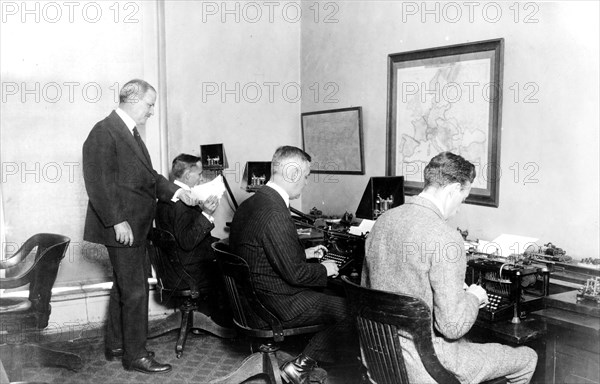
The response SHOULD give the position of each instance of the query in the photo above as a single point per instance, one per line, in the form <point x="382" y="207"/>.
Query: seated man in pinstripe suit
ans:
<point x="264" y="234"/>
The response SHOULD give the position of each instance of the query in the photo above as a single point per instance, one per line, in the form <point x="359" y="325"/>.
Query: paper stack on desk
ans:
<point x="363" y="228"/>
<point x="215" y="187"/>
<point x="506" y="245"/>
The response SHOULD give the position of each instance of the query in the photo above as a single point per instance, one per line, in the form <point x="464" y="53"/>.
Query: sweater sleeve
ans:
<point x="454" y="310"/>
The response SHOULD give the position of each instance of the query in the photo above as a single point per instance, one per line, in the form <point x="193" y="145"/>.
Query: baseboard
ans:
<point x="81" y="312"/>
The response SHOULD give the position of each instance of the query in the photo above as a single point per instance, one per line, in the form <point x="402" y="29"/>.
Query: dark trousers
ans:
<point x="127" y="325"/>
<point x="338" y="339"/>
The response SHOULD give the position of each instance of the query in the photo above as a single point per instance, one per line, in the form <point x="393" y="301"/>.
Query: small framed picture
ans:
<point x="334" y="140"/>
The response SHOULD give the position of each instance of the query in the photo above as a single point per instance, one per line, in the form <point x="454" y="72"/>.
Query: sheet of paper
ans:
<point x="506" y="245"/>
<point x="215" y="187"/>
<point x="364" y="227"/>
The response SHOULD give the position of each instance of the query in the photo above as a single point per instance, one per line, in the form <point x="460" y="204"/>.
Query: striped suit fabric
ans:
<point x="264" y="234"/>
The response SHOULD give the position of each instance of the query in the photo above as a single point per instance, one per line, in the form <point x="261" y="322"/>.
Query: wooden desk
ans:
<point x="524" y="333"/>
<point x="573" y="340"/>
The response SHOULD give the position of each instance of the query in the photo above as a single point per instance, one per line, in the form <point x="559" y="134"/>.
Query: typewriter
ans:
<point x="345" y="249"/>
<point x="514" y="285"/>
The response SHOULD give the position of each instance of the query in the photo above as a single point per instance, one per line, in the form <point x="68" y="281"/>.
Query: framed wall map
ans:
<point x="446" y="99"/>
<point x="334" y="140"/>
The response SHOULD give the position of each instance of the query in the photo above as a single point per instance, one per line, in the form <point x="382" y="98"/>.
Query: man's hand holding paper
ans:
<point x="210" y="205"/>
<point x="215" y="188"/>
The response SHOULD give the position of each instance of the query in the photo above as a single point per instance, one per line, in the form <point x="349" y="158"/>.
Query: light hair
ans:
<point x="285" y="155"/>
<point x="134" y="90"/>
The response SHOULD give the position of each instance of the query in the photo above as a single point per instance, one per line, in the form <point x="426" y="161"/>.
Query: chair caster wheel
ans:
<point x="179" y="355"/>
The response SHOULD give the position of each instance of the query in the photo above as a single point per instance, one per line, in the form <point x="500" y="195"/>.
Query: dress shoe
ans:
<point x="298" y="371"/>
<point x="117" y="353"/>
<point x="147" y="365"/>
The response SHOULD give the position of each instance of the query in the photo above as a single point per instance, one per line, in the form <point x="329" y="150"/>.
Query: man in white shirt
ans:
<point x="123" y="188"/>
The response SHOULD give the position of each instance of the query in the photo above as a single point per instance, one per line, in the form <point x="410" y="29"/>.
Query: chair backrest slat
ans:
<point x="248" y="310"/>
<point x="235" y="300"/>
<point x="381" y="318"/>
<point x="165" y="257"/>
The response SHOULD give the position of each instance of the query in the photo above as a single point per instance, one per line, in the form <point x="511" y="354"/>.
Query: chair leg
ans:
<point x="186" y="325"/>
<point x="12" y="362"/>
<point x="205" y="323"/>
<point x="270" y="363"/>
<point x="263" y="362"/>
<point x="52" y="358"/>
<point x="3" y="374"/>
<point x="15" y="356"/>
<point x="251" y="366"/>
<point x="170" y="323"/>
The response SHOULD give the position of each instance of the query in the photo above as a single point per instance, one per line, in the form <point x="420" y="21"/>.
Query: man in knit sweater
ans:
<point x="411" y="250"/>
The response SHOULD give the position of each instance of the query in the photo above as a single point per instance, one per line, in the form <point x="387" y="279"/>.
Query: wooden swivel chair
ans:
<point x="35" y="263"/>
<point x="165" y="254"/>
<point x="253" y="319"/>
<point x="379" y="317"/>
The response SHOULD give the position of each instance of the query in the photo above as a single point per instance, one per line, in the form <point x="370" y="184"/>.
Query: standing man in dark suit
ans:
<point x="191" y="227"/>
<point x="123" y="188"/>
<point x="264" y="234"/>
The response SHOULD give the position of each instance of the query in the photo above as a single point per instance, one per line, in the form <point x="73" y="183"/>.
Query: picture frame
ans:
<point x="446" y="99"/>
<point x="334" y="140"/>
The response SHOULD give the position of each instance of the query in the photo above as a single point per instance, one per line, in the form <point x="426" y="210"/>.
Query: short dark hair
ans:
<point x="447" y="168"/>
<point x="134" y="88"/>
<point x="287" y="152"/>
<point x="182" y="163"/>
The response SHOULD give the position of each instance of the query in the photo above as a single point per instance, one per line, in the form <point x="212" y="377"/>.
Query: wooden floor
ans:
<point x="205" y="357"/>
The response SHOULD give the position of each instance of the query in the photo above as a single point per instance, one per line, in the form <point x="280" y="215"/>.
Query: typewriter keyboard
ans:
<point x="340" y="260"/>
<point x="494" y="302"/>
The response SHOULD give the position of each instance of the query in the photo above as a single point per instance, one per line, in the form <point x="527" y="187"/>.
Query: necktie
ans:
<point x="141" y="144"/>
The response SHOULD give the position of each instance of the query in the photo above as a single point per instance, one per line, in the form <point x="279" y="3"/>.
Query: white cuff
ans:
<point x="209" y="217"/>
<point x="175" y="197"/>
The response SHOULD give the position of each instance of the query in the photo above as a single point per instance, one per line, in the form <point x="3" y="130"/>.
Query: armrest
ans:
<point x="20" y="255"/>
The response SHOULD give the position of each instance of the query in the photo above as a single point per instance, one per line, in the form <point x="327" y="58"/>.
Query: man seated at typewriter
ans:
<point x="412" y="250"/>
<point x="191" y="227"/>
<point x="263" y="233"/>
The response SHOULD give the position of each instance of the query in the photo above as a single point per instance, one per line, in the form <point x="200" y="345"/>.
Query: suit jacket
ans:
<point x="191" y="230"/>
<point x="264" y="234"/>
<point x="411" y="250"/>
<point x="120" y="182"/>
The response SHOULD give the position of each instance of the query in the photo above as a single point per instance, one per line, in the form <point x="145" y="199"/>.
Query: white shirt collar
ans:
<point x="434" y="200"/>
<point x="129" y="122"/>
<point x="182" y="185"/>
<point x="281" y="191"/>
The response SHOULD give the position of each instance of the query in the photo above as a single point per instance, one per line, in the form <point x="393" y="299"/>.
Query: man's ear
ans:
<point x="291" y="172"/>
<point x="296" y="174"/>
